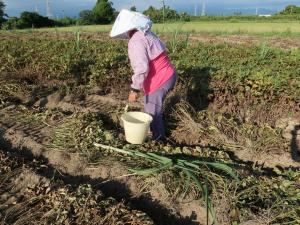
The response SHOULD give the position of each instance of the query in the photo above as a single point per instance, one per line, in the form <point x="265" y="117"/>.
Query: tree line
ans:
<point x="104" y="13"/>
<point x="290" y="10"/>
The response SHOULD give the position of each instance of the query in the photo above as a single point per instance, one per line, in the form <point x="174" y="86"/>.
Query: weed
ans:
<point x="176" y="43"/>
<point x="78" y="133"/>
<point x="77" y="39"/>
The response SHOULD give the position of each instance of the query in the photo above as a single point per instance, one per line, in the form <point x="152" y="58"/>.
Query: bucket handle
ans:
<point x="126" y="108"/>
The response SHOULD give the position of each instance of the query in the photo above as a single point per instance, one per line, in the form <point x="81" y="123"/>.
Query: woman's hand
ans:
<point x="132" y="97"/>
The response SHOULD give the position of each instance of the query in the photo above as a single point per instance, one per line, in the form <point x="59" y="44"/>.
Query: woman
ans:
<point x="153" y="72"/>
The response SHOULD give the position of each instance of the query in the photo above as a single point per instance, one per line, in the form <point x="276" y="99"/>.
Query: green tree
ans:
<point x="11" y="23"/>
<point x="153" y="13"/>
<point x="67" y="21"/>
<point x="291" y="10"/>
<point x="33" y="19"/>
<point x="2" y="14"/>
<point x="87" y="17"/>
<point x="171" y="14"/>
<point x="103" y="11"/>
<point x="157" y="14"/>
<point x="133" y="8"/>
<point x="185" y="17"/>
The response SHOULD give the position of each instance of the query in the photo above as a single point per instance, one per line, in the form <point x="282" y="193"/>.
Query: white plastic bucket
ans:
<point x="136" y="126"/>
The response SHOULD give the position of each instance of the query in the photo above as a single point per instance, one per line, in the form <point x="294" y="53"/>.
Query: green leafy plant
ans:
<point x="191" y="168"/>
<point x="77" y="39"/>
<point x="176" y="43"/>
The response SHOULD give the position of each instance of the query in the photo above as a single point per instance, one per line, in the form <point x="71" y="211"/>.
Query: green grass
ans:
<point x="253" y="28"/>
<point x="291" y="28"/>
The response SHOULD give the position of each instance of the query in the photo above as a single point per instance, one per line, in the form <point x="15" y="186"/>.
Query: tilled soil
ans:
<point x="112" y="176"/>
<point x="113" y="108"/>
<point x="33" y="193"/>
<point x="24" y="136"/>
<point x="105" y="104"/>
<point x="27" y="131"/>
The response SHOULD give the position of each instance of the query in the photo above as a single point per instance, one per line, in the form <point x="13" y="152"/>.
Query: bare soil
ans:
<point x="186" y="134"/>
<point x="32" y="193"/>
<point x="112" y="176"/>
<point x="285" y="155"/>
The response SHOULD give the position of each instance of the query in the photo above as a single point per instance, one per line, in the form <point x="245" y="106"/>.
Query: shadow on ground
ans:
<point x="158" y="213"/>
<point x="295" y="143"/>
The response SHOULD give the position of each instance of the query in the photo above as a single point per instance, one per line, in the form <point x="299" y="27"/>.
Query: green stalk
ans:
<point x="189" y="167"/>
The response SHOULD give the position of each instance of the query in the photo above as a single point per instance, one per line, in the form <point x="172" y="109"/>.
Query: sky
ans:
<point x="60" y="8"/>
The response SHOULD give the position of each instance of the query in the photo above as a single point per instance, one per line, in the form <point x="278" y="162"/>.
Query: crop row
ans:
<point x="223" y="74"/>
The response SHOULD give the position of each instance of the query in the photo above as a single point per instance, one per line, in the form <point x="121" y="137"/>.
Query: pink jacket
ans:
<point x="149" y="61"/>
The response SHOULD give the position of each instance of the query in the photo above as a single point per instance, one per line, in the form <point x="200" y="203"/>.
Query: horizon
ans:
<point x="72" y="8"/>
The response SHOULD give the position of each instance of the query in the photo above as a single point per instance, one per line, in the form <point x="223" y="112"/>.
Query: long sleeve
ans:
<point x="139" y="60"/>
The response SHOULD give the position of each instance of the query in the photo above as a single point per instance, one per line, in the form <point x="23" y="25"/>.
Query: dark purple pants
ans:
<point x="153" y="104"/>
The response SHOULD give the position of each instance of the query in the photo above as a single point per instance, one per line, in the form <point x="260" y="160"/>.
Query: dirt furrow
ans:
<point x="112" y="177"/>
<point x="110" y="106"/>
<point x="113" y="108"/>
<point x="88" y="103"/>
<point x="32" y="192"/>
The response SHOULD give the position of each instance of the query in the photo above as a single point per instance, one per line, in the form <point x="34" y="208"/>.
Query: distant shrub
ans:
<point x="276" y="17"/>
<point x="11" y="23"/>
<point x="67" y="21"/>
<point x="234" y="20"/>
<point x="185" y="17"/>
<point x="28" y="20"/>
<point x="33" y="19"/>
<point x="290" y="10"/>
<point x="87" y="17"/>
<point x="2" y="14"/>
<point x="170" y="14"/>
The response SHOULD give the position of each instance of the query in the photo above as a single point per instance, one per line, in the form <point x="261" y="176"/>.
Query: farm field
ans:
<point x="288" y="28"/>
<point x="233" y="121"/>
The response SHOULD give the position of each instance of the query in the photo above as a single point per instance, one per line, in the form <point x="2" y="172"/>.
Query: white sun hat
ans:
<point x="128" y="20"/>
